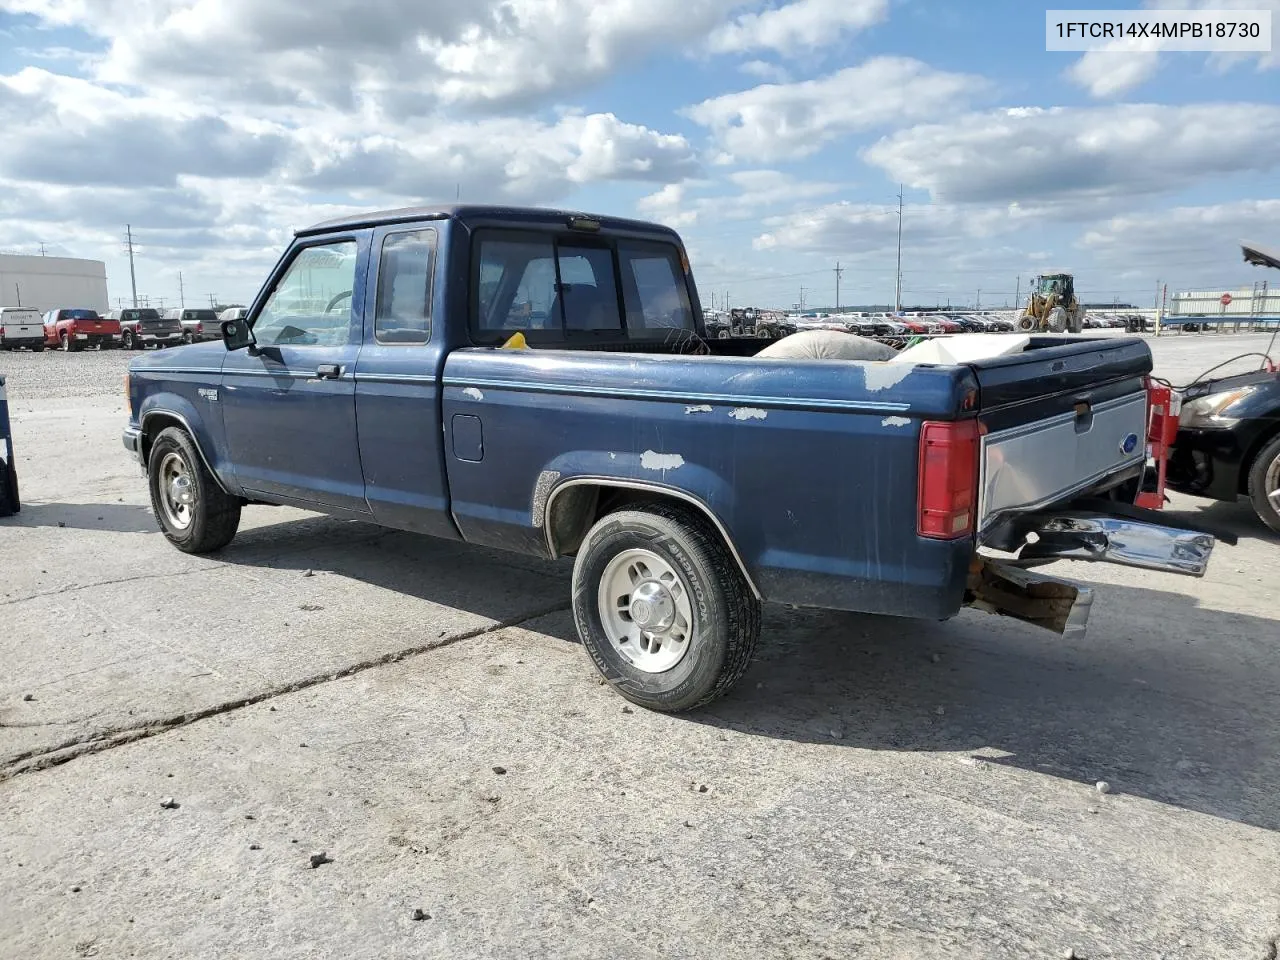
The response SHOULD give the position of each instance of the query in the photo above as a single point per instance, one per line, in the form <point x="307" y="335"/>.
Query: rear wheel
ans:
<point x="1026" y="323"/>
<point x="193" y="512"/>
<point x="662" y="608"/>
<point x="1264" y="484"/>
<point x="127" y="341"/>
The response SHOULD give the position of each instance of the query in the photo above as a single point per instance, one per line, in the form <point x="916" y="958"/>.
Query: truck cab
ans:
<point x="540" y="381"/>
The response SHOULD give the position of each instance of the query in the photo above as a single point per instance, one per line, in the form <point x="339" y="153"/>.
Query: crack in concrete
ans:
<point x="98" y="741"/>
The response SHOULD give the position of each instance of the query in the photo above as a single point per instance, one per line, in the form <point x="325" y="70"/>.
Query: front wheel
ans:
<point x="1264" y="484"/>
<point x="193" y="512"/>
<point x="662" y="608"/>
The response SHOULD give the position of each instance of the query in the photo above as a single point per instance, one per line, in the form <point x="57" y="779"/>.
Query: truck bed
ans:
<point x="811" y="466"/>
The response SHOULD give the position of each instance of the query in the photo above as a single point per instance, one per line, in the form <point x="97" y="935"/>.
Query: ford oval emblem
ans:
<point x="1129" y="444"/>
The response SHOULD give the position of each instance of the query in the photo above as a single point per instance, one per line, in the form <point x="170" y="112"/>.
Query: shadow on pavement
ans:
<point x="1238" y="518"/>
<point x="1188" y="719"/>
<point x="1163" y="699"/>
<point x="116" y="517"/>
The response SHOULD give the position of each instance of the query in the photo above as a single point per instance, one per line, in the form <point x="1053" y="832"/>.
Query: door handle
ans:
<point x="328" y="371"/>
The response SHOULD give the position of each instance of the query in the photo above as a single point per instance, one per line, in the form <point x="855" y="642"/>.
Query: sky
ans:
<point x="774" y="134"/>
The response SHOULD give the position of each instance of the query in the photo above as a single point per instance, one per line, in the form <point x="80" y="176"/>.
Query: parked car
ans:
<point x="141" y="327"/>
<point x="689" y="489"/>
<point x="74" y="328"/>
<point x="196" y="325"/>
<point x="21" y="327"/>
<point x="232" y="313"/>
<point x="1228" y="443"/>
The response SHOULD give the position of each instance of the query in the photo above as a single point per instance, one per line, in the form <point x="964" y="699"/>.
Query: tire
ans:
<point x="188" y="338"/>
<point x="127" y="342"/>
<point x="69" y="345"/>
<point x="1076" y="324"/>
<point x="1057" y="320"/>
<point x="1264" y="479"/>
<point x="1026" y="324"/>
<point x="680" y="550"/>
<point x="211" y="515"/>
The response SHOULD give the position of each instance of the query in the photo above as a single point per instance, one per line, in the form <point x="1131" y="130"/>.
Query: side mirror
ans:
<point x="236" y="334"/>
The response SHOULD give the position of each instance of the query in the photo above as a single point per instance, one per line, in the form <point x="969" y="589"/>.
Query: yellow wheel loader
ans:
<point x="1052" y="306"/>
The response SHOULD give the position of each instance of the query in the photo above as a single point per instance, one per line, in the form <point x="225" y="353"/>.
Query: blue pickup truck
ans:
<point x="538" y="381"/>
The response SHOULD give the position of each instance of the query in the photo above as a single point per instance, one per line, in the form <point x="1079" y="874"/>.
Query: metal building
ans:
<point x="49" y="282"/>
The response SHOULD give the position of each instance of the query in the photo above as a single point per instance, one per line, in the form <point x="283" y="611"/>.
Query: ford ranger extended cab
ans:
<point x="538" y="381"/>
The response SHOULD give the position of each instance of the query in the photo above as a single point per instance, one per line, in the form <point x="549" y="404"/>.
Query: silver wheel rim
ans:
<point x="645" y="610"/>
<point x="1271" y="483"/>
<point x="177" y="495"/>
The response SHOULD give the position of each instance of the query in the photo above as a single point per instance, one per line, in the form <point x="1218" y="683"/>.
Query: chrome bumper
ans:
<point x="1070" y="535"/>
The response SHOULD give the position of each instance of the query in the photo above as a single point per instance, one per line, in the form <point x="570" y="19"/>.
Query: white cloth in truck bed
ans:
<point x="826" y="345"/>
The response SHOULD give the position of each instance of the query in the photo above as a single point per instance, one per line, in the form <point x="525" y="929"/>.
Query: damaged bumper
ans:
<point x="1107" y="533"/>
<point x="1105" y="539"/>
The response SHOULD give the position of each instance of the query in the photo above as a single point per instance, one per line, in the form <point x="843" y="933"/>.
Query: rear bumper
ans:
<point x="1069" y="535"/>
<point x="173" y="337"/>
<point x="24" y="341"/>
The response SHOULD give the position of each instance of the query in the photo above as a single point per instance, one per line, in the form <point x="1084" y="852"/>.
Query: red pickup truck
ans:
<point x="75" y="328"/>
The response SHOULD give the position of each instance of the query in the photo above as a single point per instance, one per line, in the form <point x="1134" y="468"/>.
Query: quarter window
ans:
<point x="311" y="304"/>
<point x="403" y="311"/>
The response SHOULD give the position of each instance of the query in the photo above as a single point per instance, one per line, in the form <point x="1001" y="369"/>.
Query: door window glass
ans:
<point x="403" y="311"/>
<point x="311" y="305"/>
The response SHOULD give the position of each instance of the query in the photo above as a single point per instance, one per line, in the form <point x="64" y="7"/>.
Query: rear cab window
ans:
<point x="566" y="287"/>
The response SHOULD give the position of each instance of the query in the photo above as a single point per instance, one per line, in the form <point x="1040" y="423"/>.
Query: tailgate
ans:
<point x="1057" y="420"/>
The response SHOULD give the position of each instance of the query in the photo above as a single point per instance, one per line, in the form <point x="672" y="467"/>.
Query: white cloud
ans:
<point x="1114" y="152"/>
<point x="1199" y="240"/>
<point x="776" y="121"/>
<point x="1109" y="73"/>
<point x="797" y="26"/>
<point x="1127" y="64"/>
<point x="752" y="192"/>
<point x="763" y="70"/>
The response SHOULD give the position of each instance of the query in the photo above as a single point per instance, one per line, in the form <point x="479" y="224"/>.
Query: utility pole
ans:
<point x="42" y="248"/>
<point x="133" y="278"/>
<point x="18" y="287"/>
<point x="839" y="270"/>
<point x="213" y="302"/>
<point x="802" y="298"/>
<point x="1017" y="294"/>
<point x="978" y="305"/>
<point x="897" y="287"/>
<point x="182" y="293"/>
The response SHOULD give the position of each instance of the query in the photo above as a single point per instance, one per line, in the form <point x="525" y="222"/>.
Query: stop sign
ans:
<point x="1225" y="300"/>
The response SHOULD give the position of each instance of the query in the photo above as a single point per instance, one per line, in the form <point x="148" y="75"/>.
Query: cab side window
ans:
<point x="403" y="310"/>
<point x="311" y="304"/>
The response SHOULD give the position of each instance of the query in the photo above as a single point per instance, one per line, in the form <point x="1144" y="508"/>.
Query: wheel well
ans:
<point x="1246" y="463"/>
<point x="152" y="428"/>
<point x="574" y="508"/>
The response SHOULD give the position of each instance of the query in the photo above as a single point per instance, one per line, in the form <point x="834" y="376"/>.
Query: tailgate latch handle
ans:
<point x="1084" y="416"/>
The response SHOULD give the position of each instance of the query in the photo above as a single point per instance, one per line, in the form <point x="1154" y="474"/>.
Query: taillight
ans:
<point x="199" y="327"/>
<point x="71" y="326"/>
<point x="947" y="496"/>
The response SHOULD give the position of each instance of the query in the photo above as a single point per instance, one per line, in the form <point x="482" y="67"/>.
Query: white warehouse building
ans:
<point x="49" y="282"/>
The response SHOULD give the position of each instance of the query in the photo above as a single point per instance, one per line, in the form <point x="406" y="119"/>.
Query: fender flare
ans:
<point x="648" y="487"/>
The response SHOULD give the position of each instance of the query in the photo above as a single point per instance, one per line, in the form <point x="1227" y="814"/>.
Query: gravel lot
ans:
<point x="421" y="712"/>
